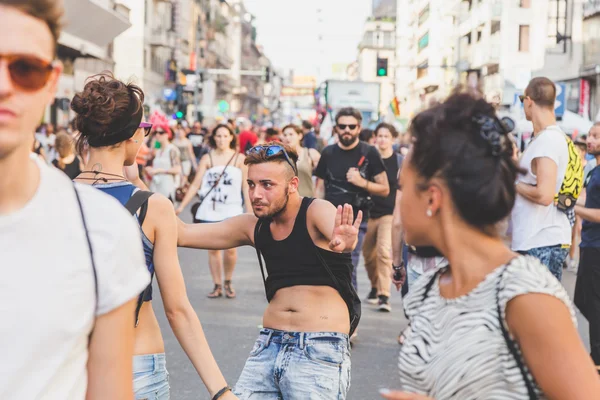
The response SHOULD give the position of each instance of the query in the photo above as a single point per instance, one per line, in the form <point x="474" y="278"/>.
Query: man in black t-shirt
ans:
<point x="196" y="136"/>
<point x="351" y="172"/>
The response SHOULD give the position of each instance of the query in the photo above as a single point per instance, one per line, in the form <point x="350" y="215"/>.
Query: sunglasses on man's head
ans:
<point x="28" y="73"/>
<point x="273" y="150"/>
<point x="146" y="127"/>
<point x="342" y="127"/>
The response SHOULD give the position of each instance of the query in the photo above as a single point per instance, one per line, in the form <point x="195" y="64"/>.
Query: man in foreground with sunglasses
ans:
<point x="70" y="277"/>
<point x="351" y="172"/>
<point x="306" y="243"/>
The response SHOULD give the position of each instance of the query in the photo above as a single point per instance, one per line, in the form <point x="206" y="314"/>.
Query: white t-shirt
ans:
<point x="534" y="225"/>
<point x="47" y="298"/>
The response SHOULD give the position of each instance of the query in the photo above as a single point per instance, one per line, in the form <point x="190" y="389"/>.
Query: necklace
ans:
<point x="97" y="170"/>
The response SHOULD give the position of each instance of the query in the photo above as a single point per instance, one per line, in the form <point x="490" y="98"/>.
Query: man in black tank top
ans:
<point x="313" y="307"/>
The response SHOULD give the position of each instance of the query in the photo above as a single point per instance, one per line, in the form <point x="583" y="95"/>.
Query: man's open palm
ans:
<point x="345" y="233"/>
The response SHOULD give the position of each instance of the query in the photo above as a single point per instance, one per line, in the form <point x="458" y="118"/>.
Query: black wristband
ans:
<point x="221" y="393"/>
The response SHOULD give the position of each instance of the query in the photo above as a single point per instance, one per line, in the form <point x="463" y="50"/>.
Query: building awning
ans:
<point x="94" y="21"/>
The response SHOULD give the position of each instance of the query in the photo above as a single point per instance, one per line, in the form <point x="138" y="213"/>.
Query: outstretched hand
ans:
<point x="345" y="233"/>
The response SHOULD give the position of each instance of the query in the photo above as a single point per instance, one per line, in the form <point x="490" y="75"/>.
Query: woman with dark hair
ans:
<point x="109" y="117"/>
<point x="221" y="184"/>
<point x="492" y="323"/>
<point x="308" y="159"/>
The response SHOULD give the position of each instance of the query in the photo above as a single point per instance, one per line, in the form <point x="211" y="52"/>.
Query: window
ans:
<point x="424" y="15"/>
<point x="479" y="33"/>
<point x="524" y="38"/>
<point x="558" y="28"/>
<point x="525" y="3"/>
<point x="468" y="38"/>
<point x="495" y="27"/>
<point x="424" y="41"/>
<point x="422" y="70"/>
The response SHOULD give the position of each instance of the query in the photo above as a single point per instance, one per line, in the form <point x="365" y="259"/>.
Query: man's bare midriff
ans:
<point x="148" y="339"/>
<point x="307" y="309"/>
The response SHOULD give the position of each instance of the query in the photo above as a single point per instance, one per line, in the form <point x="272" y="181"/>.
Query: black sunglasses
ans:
<point x="273" y="150"/>
<point x="160" y="132"/>
<point x="342" y="127"/>
<point x="522" y="98"/>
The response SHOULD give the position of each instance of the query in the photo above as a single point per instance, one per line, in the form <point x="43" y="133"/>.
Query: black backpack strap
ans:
<point x="511" y="344"/>
<point x="139" y="201"/>
<point x="90" y="249"/>
<point x="257" y="228"/>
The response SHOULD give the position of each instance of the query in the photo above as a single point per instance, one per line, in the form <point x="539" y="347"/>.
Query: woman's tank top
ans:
<point x="225" y="200"/>
<point x="122" y="191"/>
<point x="305" y="171"/>
<point x="164" y="184"/>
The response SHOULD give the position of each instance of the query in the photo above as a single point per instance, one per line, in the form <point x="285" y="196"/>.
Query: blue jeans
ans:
<point x="150" y="377"/>
<point x="551" y="256"/>
<point x="357" y="250"/>
<point x="296" y="366"/>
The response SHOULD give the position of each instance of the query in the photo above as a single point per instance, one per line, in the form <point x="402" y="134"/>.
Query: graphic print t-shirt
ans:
<point x="225" y="200"/>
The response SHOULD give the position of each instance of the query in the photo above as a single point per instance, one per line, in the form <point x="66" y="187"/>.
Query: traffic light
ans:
<point x="266" y="77"/>
<point x="179" y="114"/>
<point x="382" y="67"/>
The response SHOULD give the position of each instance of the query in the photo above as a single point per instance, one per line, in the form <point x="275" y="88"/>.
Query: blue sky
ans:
<point x="289" y="30"/>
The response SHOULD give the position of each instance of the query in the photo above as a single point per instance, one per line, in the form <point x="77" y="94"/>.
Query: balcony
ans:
<point x="109" y="20"/>
<point x="160" y="37"/>
<point x="591" y="8"/>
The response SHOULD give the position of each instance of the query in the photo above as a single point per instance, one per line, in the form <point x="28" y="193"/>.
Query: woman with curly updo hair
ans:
<point x="109" y="117"/>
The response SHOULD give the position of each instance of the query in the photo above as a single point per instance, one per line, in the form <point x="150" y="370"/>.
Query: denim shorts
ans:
<point x="296" y="366"/>
<point x="150" y="377"/>
<point x="552" y="257"/>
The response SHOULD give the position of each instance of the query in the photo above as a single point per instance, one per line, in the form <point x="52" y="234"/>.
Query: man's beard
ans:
<point x="278" y="208"/>
<point x="347" y="142"/>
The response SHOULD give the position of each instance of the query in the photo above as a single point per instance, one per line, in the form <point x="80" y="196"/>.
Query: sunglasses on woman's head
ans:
<point x="273" y="150"/>
<point x="146" y="127"/>
<point x="28" y="73"/>
<point x="160" y="132"/>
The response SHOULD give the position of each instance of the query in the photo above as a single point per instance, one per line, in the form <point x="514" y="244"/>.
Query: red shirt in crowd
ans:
<point x="247" y="140"/>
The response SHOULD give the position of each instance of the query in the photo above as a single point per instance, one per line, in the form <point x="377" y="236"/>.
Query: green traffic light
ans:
<point x="179" y="114"/>
<point x="381" y="72"/>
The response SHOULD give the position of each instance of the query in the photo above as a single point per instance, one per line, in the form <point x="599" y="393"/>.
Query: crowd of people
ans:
<point x="476" y="234"/>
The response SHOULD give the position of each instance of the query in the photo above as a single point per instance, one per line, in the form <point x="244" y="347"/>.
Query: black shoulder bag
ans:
<point x="139" y="201"/>
<point x="354" y="308"/>
<point x="91" y="251"/>
<point x="511" y="344"/>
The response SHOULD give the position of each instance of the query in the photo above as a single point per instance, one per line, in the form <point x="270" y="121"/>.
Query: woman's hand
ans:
<point x="397" y="395"/>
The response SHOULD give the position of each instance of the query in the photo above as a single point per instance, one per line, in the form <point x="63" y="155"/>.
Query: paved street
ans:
<point x="232" y="325"/>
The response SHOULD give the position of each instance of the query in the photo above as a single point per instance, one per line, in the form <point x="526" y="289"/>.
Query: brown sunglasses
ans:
<point x="28" y="73"/>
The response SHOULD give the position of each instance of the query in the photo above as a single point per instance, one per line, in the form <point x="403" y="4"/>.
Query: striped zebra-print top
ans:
<point x="455" y="348"/>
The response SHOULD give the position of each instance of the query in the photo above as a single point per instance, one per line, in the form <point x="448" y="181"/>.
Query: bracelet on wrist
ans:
<point x="221" y="392"/>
